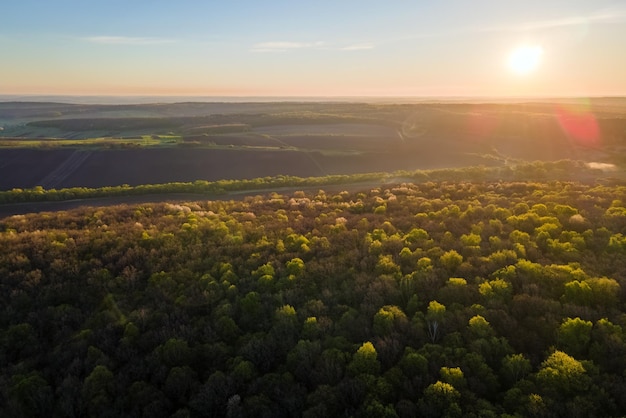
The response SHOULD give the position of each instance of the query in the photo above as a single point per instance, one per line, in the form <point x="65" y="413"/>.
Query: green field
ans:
<point x="101" y="142"/>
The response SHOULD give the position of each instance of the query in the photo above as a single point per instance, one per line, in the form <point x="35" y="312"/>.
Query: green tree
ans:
<point x="608" y="345"/>
<point x="365" y="360"/>
<point x="574" y="336"/>
<point x="301" y="360"/>
<point x="265" y="275"/>
<point x="374" y="409"/>
<point x="479" y="327"/>
<point x="578" y="292"/>
<point x="562" y="376"/>
<point x="386" y="265"/>
<point x="99" y="390"/>
<point x="451" y="260"/>
<point x="295" y="268"/>
<point x="606" y="292"/>
<point x="311" y="328"/>
<point x="413" y="363"/>
<point x="30" y="395"/>
<point x="285" y="330"/>
<point x="497" y="290"/>
<point x="417" y="237"/>
<point x="227" y="329"/>
<point x="514" y="368"/>
<point x="175" y="352"/>
<point x="442" y="400"/>
<point x="251" y="311"/>
<point x="390" y="319"/>
<point x="453" y="376"/>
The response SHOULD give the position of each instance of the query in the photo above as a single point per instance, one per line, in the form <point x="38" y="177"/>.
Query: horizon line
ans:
<point x="288" y="97"/>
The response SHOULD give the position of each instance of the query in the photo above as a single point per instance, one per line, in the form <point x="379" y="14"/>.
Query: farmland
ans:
<point x="62" y="145"/>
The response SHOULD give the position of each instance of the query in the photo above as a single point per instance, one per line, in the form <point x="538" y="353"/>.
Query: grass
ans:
<point x="98" y="142"/>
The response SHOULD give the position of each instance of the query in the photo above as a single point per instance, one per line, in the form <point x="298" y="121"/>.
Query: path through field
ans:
<point x="65" y="169"/>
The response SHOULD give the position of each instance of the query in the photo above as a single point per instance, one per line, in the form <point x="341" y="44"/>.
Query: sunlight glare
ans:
<point x="525" y="59"/>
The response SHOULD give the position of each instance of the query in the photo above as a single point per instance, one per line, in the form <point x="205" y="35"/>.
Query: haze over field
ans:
<point x="321" y="48"/>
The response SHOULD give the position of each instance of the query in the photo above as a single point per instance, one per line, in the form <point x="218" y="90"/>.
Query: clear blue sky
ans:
<point x="311" y="48"/>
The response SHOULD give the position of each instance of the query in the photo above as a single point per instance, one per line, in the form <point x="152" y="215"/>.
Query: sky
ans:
<point x="337" y="48"/>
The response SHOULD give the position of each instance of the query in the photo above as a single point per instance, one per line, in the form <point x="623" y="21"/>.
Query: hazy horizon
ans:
<point x="172" y="99"/>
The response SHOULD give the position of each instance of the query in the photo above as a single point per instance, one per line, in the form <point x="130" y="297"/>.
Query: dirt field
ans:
<point x="23" y="168"/>
<point x="27" y="168"/>
<point x="58" y="168"/>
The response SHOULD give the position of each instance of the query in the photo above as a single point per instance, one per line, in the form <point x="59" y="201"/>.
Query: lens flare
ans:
<point x="579" y="124"/>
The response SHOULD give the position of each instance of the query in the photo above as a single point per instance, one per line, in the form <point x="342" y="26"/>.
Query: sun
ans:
<point x="525" y="59"/>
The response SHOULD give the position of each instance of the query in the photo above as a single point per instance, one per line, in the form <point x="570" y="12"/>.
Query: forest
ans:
<point x="440" y="298"/>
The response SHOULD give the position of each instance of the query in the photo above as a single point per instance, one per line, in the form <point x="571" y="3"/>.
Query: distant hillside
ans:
<point x="152" y="143"/>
